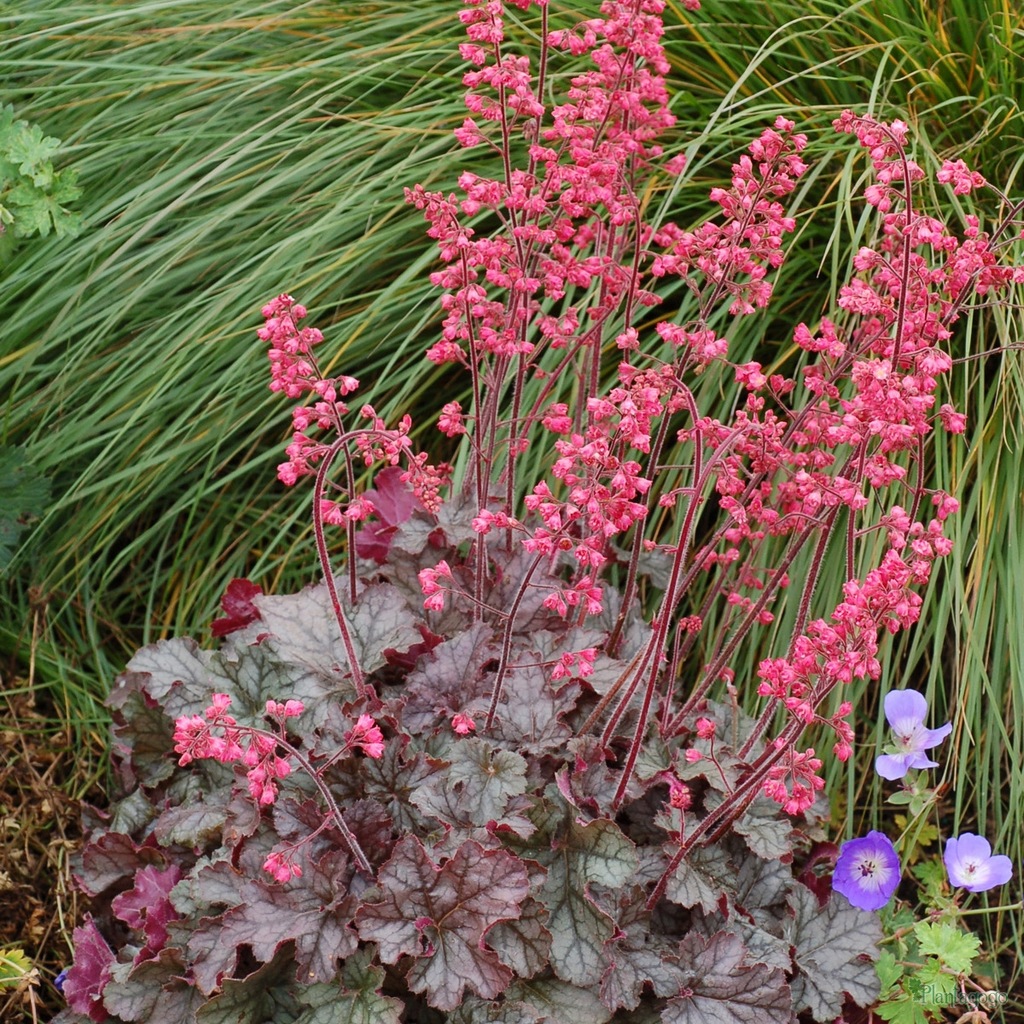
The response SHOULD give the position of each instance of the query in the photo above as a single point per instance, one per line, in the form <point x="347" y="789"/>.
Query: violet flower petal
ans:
<point x="906" y="710"/>
<point x="971" y="865"/>
<point x="867" y="871"/>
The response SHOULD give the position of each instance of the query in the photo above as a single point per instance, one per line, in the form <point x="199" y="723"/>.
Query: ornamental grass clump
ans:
<point x="500" y="764"/>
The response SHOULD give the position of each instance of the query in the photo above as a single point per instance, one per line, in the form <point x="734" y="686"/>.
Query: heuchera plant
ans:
<point x="496" y="769"/>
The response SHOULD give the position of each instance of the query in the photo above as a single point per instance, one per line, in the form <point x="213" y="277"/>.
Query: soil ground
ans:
<point x="44" y="775"/>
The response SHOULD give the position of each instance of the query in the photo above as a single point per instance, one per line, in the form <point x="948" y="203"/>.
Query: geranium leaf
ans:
<point x="722" y="988"/>
<point x="439" y="916"/>
<point x="24" y="491"/>
<point x="836" y="946"/>
<point x="955" y="948"/>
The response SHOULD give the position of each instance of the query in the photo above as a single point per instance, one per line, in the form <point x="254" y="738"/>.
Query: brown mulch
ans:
<point x="43" y="771"/>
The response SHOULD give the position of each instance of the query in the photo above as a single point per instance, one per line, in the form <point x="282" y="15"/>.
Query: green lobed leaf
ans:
<point x="38" y="212"/>
<point x="904" y="1010"/>
<point x="955" y="948"/>
<point x="30" y="151"/>
<point x="14" y="966"/>
<point x="889" y="971"/>
<point x="932" y="983"/>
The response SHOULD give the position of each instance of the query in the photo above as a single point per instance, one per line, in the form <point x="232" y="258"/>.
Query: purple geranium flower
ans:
<point x="906" y="711"/>
<point x="971" y="865"/>
<point x="867" y="871"/>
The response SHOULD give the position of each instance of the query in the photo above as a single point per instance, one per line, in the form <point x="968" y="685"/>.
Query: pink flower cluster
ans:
<point x="733" y="257"/>
<point x="294" y="370"/>
<point x="795" y="782"/>
<point x="366" y="736"/>
<point x="217" y="735"/>
<point x="194" y="737"/>
<point x="579" y="163"/>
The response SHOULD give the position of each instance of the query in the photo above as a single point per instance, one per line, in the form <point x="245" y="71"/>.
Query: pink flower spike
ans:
<point x="463" y="724"/>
